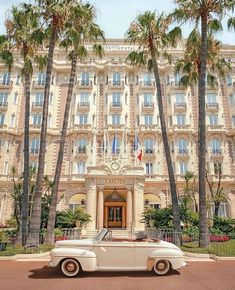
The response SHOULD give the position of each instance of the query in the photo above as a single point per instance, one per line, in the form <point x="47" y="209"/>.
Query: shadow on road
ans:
<point x="52" y="273"/>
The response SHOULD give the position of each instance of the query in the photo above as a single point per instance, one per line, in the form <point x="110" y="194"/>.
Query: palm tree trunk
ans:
<point x="36" y="214"/>
<point x="174" y="199"/>
<point x="203" y="225"/>
<point x="217" y="204"/>
<point x="25" y="194"/>
<point x="52" y="210"/>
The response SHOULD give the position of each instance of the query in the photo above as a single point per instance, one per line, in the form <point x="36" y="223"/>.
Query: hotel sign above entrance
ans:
<point x="116" y="47"/>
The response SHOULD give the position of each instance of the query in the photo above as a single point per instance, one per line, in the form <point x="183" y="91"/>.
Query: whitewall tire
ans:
<point x="162" y="267"/>
<point x="70" y="267"/>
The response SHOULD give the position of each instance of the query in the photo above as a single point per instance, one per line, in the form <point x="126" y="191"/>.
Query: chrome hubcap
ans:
<point x="70" y="267"/>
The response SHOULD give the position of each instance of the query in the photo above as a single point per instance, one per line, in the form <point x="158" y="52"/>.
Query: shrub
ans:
<point x="214" y="238"/>
<point x="192" y="232"/>
<point x="11" y="223"/>
<point x="58" y="233"/>
<point x="222" y="224"/>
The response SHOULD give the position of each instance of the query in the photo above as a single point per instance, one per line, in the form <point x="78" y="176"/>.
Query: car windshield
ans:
<point x="101" y="235"/>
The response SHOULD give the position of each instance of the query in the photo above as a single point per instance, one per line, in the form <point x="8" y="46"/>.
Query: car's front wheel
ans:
<point x="70" y="267"/>
<point x="162" y="267"/>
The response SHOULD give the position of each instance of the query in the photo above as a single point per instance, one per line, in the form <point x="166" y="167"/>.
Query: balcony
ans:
<point x="147" y="85"/>
<point x="6" y="84"/>
<point x="83" y="106"/>
<point x="85" y="85"/>
<point x="216" y="154"/>
<point x="115" y="106"/>
<point x="38" y="85"/>
<point x="212" y="106"/>
<point x="116" y="85"/>
<point x="182" y="153"/>
<point x="148" y="106"/>
<point x="180" y="106"/>
<point x="181" y="128"/>
<point x="3" y="106"/>
<point x="81" y="153"/>
<point x="149" y="153"/>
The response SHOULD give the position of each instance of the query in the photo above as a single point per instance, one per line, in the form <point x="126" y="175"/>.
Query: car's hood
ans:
<point x="74" y="243"/>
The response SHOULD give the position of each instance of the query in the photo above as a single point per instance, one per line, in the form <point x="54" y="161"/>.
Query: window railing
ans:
<point x="37" y="104"/>
<point x="81" y="150"/>
<point x="180" y="105"/>
<point x="149" y="151"/>
<point x="183" y="151"/>
<point x="212" y="105"/>
<point x="148" y="104"/>
<point x="84" y="104"/>
<point x="3" y="104"/>
<point x="34" y="151"/>
<point x="116" y="104"/>
<point x="216" y="151"/>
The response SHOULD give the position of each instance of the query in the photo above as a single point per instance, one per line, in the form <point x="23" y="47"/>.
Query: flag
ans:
<point x="137" y="148"/>
<point x="114" y="145"/>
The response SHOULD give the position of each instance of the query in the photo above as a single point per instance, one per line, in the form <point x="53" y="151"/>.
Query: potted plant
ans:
<point x="3" y="240"/>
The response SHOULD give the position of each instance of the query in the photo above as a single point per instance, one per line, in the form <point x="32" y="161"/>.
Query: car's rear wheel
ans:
<point x="162" y="267"/>
<point x="70" y="267"/>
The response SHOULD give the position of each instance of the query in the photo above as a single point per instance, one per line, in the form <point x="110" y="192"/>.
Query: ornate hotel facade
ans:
<point x="113" y="104"/>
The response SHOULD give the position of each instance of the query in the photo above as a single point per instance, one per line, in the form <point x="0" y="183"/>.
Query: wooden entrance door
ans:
<point x="115" y="215"/>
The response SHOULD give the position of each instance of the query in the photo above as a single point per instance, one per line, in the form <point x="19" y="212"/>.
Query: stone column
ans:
<point x="91" y="205"/>
<point x="100" y="215"/>
<point x="129" y="210"/>
<point x="138" y="207"/>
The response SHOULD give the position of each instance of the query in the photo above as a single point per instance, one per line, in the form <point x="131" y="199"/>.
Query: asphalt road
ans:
<point x="197" y="276"/>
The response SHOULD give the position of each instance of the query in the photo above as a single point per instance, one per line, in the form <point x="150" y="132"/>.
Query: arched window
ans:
<point x="215" y="146"/>
<point x="224" y="210"/>
<point x="152" y="200"/>
<point x="76" y="201"/>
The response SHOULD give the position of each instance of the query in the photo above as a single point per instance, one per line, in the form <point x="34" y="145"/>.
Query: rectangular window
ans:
<point x="2" y="119"/>
<point x="148" y="100"/>
<point x="183" y="166"/>
<point x="41" y="79"/>
<point x="5" y="170"/>
<point x="233" y="120"/>
<point x="148" y="120"/>
<point x="3" y="99"/>
<point x="180" y="119"/>
<point x="211" y="98"/>
<point x="84" y="99"/>
<point x="232" y="99"/>
<point x="116" y="100"/>
<point x="6" y="78"/>
<point x="213" y="120"/>
<point x="12" y="123"/>
<point x="83" y="119"/>
<point x="85" y="79"/>
<point x="149" y="168"/>
<point x="217" y="168"/>
<point x="116" y="119"/>
<point x="37" y="119"/>
<point x="80" y="167"/>
<point x="15" y="97"/>
<point x="39" y="98"/>
<point x="179" y="98"/>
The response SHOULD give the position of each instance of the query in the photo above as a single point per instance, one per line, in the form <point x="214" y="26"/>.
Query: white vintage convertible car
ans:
<point x="103" y="254"/>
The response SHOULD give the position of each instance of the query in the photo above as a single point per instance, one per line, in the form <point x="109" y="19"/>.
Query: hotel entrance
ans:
<point x="115" y="211"/>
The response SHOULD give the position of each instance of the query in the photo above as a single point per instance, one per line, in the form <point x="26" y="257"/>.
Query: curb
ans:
<point x="30" y="257"/>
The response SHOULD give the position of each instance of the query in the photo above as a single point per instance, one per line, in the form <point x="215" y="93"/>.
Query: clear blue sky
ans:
<point x="115" y="16"/>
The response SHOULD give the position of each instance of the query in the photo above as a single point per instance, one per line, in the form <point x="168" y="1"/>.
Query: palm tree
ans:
<point x="55" y="13"/>
<point x="24" y="33"/>
<point x="149" y="31"/>
<point x="202" y="12"/>
<point x="190" y="188"/>
<point x="75" y="36"/>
